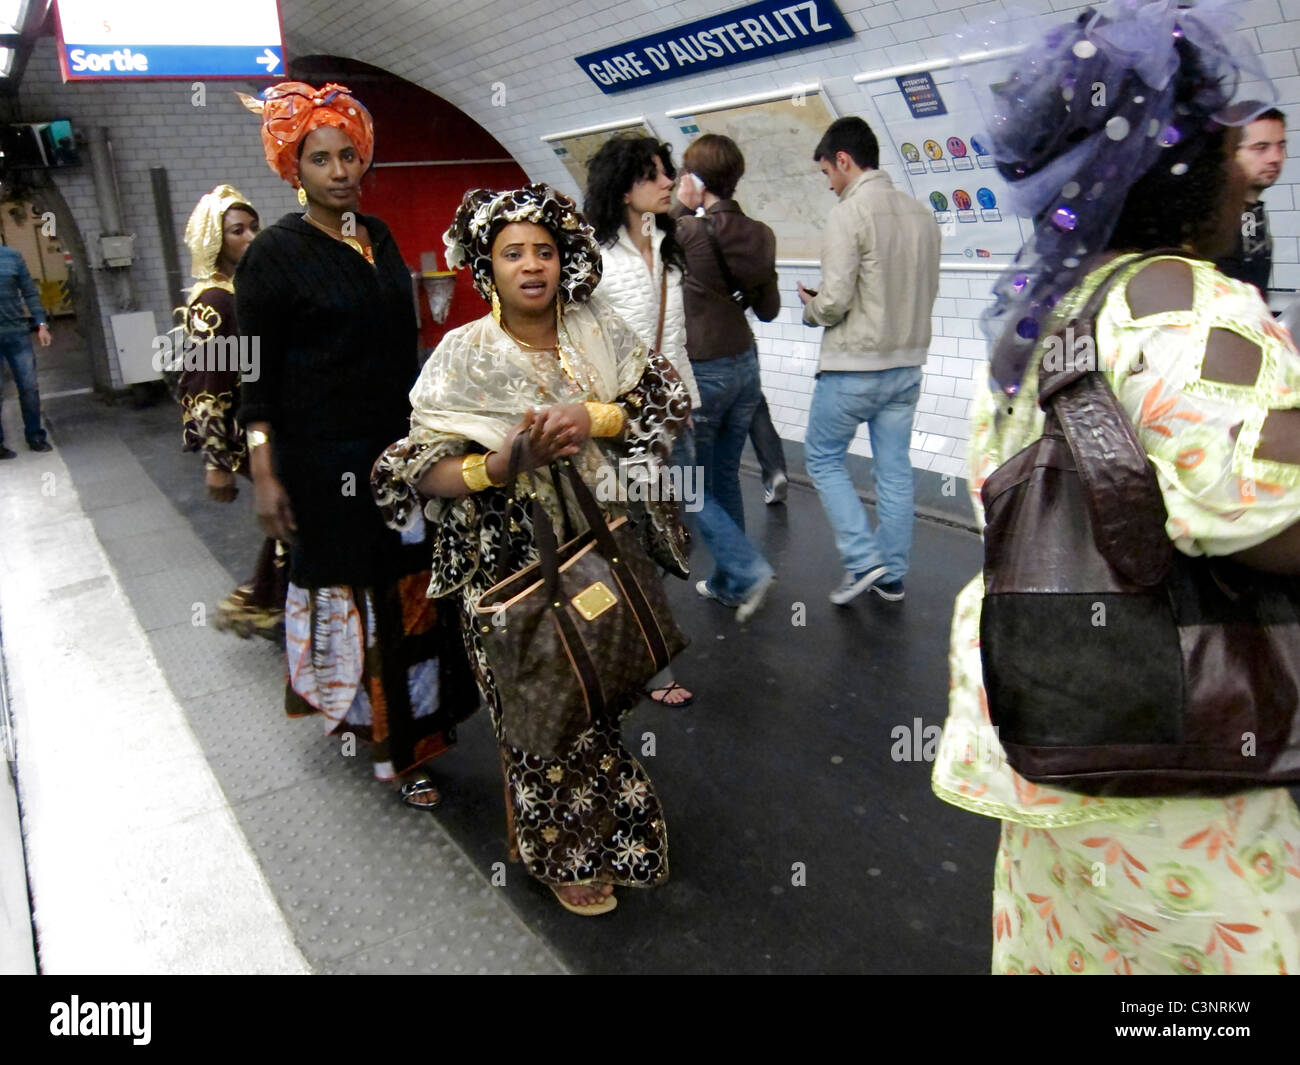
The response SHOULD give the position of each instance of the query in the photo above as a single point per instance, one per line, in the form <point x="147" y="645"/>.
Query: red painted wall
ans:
<point x="418" y="202"/>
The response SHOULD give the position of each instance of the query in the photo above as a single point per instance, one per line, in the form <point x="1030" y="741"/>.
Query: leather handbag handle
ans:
<point x="543" y="531"/>
<point x="1125" y="507"/>
<point x="513" y="471"/>
<point x="609" y="549"/>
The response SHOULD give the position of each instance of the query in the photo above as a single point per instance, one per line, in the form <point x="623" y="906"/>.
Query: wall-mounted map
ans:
<point x="576" y="148"/>
<point x="782" y="185"/>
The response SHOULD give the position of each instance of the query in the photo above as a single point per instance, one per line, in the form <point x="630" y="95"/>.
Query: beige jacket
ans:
<point x="880" y="275"/>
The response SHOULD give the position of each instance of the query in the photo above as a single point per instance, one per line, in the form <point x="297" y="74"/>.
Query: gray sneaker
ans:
<point x="891" y="591"/>
<point x="854" y="584"/>
<point x="776" y="491"/>
<point x="703" y="588"/>
<point x="750" y="604"/>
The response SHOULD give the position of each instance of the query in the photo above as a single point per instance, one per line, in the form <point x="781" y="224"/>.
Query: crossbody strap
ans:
<point x="734" y="292"/>
<point x="663" y="305"/>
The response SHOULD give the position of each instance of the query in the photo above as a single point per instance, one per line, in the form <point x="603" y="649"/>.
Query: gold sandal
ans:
<point x="593" y="909"/>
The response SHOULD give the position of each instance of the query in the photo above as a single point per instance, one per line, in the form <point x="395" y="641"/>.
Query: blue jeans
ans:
<point x="16" y="350"/>
<point x="767" y="444"/>
<point x="886" y="401"/>
<point x="729" y="396"/>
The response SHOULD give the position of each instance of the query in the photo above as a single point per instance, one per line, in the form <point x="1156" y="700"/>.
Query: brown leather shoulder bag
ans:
<point x="571" y="636"/>
<point x="1113" y="663"/>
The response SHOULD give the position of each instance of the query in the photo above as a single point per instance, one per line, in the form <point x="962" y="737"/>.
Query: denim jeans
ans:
<point x="886" y="401"/>
<point x="729" y="395"/>
<point x="16" y="350"/>
<point x="767" y="443"/>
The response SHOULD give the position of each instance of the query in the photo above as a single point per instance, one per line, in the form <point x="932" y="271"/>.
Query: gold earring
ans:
<point x="302" y="196"/>
<point x="495" y="300"/>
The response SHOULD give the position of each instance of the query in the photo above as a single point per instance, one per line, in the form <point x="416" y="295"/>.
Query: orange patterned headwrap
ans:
<point x="292" y="109"/>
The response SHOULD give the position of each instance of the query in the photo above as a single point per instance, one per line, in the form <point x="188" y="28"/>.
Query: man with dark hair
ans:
<point x="16" y="289"/>
<point x="880" y="275"/>
<point x="851" y="135"/>
<point x="1260" y="156"/>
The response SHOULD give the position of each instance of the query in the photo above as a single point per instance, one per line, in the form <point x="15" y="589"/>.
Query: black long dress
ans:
<point x="336" y="344"/>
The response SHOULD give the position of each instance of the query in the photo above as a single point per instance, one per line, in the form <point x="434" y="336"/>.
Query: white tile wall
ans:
<point x="459" y="50"/>
<point x="150" y="125"/>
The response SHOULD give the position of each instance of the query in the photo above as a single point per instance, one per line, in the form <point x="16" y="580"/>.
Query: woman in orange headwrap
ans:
<point x="328" y="298"/>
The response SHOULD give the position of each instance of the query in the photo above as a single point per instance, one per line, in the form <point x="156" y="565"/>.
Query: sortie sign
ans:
<point x="755" y="31"/>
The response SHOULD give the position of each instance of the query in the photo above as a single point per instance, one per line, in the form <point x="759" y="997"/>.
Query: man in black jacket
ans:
<point x="1260" y="155"/>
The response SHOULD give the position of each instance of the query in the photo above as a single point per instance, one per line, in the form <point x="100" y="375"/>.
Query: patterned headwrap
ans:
<point x="205" y="230"/>
<point x="482" y="214"/>
<point x="1079" y="117"/>
<point x="292" y="109"/>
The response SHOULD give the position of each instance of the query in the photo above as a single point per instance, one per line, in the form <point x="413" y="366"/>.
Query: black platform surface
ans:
<point x="797" y="843"/>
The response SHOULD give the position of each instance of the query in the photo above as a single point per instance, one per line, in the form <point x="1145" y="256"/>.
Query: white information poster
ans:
<point x="943" y="159"/>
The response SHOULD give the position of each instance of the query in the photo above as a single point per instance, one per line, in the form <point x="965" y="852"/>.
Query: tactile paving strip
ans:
<point x="366" y="884"/>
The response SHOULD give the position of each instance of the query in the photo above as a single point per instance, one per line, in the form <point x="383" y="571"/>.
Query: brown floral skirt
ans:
<point x="588" y="815"/>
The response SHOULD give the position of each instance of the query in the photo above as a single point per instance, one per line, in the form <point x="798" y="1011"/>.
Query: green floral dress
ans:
<point x="1086" y="884"/>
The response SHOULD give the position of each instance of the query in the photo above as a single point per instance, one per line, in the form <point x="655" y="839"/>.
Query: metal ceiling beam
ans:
<point x="34" y="25"/>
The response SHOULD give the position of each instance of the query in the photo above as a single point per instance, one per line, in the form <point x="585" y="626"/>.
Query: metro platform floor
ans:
<point x="780" y="772"/>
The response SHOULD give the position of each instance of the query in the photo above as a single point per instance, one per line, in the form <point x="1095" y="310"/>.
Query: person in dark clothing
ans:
<point x="326" y="297"/>
<point x="731" y="266"/>
<point x="1260" y="157"/>
<point x="770" y="454"/>
<point x="16" y="288"/>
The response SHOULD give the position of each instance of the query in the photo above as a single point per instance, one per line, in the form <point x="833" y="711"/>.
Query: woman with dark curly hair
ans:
<point x="1086" y="883"/>
<point x="629" y="193"/>
<point x="571" y="380"/>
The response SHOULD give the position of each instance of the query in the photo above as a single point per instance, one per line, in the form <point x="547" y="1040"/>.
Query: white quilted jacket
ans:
<point x="627" y="289"/>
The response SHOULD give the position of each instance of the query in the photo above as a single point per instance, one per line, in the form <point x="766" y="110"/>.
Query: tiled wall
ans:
<point x="152" y="124"/>
<point x="530" y="47"/>
<point x="466" y="52"/>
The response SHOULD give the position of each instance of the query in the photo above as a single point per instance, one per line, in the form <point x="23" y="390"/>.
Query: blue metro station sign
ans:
<point x="147" y="39"/>
<point x="172" y="61"/>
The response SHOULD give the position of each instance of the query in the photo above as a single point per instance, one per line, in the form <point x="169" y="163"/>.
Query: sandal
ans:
<point x="660" y="695"/>
<point x="594" y="909"/>
<point x="417" y="788"/>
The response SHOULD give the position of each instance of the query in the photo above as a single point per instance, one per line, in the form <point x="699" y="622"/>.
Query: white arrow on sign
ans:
<point x="269" y="58"/>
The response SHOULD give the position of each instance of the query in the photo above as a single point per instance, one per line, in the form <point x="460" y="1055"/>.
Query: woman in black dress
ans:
<point x="327" y="298"/>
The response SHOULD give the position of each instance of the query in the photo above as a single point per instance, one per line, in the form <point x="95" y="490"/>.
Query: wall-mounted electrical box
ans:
<point x="117" y="251"/>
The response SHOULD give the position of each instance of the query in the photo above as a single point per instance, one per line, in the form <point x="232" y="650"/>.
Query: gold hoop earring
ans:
<point x="302" y="196"/>
<point x="495" y="300"/>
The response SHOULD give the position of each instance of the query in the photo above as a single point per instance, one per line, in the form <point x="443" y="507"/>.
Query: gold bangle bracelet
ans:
<point x="606" y="418"/>
<point x="473" y="471"/>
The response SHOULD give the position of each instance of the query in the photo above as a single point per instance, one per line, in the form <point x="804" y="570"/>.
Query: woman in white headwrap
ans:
<point x="221" y="226"/>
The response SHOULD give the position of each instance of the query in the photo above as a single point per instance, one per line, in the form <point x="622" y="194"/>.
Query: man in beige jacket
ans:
<point x="880" y="275"/>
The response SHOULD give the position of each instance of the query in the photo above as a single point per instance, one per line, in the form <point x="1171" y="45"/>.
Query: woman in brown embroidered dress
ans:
<point x="221" y="226"/>
<point x="574" y="381"/>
